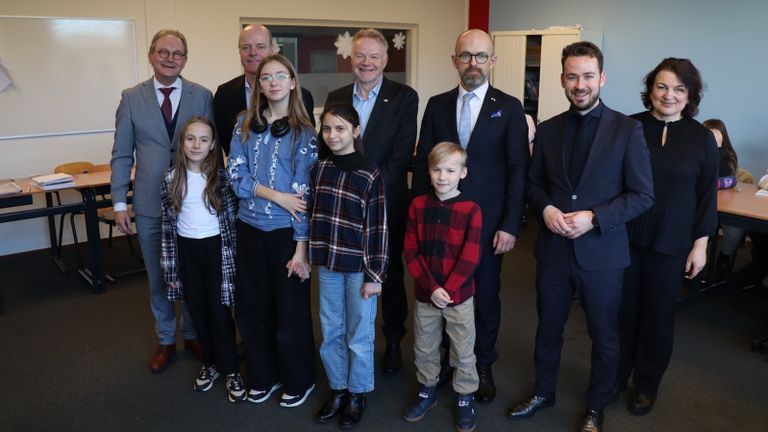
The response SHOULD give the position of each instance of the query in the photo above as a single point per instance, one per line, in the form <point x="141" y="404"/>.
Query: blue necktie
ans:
<point x="465" y="120"/>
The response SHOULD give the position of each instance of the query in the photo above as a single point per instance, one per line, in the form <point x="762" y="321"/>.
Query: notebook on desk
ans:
<point x="54" y="181"/>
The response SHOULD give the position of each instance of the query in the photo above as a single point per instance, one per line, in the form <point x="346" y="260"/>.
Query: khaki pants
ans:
<point x="460" y="327"/>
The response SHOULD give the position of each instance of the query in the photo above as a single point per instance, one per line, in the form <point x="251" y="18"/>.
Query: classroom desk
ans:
<point x="89" y="186"/>
<point x="741" y="208"/>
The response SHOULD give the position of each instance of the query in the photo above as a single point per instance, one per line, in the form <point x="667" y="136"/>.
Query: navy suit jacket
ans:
<point x="616" y="184"/>
<point x="229" y="101"/>
<point x="497" y="156"/>
<point x="389" y="139"/>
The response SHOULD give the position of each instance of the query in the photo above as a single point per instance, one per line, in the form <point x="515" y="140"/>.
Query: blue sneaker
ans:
<point x="426" y="399"/>
<point x="465" y="413"/>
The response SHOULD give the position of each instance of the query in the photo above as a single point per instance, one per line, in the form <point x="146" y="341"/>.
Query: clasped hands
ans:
<point x="569" y="225"/>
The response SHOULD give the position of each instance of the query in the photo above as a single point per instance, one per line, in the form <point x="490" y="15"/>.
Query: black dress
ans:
<point x="685" y="171"/>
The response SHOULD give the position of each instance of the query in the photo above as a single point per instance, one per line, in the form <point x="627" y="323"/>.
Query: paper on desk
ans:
<point x="761" y="193"/>
<point x="9" y="188"/>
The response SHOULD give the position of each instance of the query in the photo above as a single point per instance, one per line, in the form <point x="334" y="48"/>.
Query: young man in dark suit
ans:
<point x="387" y="112"/>
<point x="234" y="96"/>
<point x="491" y="125"/>
<point x="589" y="176"/>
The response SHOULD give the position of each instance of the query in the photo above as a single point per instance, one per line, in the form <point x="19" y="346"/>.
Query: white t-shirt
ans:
<point x="194" y="220"/>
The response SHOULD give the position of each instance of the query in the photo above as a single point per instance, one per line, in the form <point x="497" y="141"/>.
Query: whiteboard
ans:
<point x="66" y="74"/>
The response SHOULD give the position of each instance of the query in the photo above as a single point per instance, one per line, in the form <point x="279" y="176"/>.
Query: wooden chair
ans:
<point x="107" y="215"/>
<point x="72" y="168"/>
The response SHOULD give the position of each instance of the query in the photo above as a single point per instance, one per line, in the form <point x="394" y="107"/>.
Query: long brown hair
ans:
<point x="209" y="168"/>
<point x="297" y="114"/>
<point x="727" y="152"/>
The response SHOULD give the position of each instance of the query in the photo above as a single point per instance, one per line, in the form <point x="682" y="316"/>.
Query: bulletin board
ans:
<point x="62" y="76"/>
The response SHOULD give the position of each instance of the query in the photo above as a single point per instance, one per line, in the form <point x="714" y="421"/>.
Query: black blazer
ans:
<point x="390" y="137"/>
<point x="497" y="156"/>
<point x="616" y="184"/>
<point x="229" y="101"/>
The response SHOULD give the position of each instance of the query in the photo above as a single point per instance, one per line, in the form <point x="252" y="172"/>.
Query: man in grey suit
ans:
<point x="148" y="123"/>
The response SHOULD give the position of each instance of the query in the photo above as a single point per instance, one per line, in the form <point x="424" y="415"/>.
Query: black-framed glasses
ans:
<point x="280" y="77"/>
<point x="177" y="55"/>
<point x="480" y="58"/>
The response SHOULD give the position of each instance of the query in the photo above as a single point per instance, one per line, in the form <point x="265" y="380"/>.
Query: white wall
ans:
<point x="725" y="40"/>
<point x="211" y="29"/>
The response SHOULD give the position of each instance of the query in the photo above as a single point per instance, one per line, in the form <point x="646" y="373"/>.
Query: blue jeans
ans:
<point x="348" y="324"/>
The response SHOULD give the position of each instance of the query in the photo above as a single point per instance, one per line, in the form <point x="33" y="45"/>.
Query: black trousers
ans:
<point x="394" y="303"/>
<point x="200" y="273"/>
<point x="273" y="311"/>
<point x="651" y="285"/>
<point x="600" y="296"/>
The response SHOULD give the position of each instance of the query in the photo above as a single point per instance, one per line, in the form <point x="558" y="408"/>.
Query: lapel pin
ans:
<point x="386" y="100"/>
<point x="493" y="98"/>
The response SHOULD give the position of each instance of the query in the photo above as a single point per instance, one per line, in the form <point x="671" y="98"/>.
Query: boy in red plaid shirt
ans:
<point x="442" y="251"/>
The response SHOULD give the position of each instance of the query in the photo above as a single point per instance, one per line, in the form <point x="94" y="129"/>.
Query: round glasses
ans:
<point x="480" y="58"/>
<point x="280" y="77"/>
<point x="177" y="55"/>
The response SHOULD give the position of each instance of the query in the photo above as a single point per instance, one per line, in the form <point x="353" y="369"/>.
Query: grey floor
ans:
<point x="74" y="361"/>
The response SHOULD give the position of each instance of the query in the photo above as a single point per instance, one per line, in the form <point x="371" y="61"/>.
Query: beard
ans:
<point x="473" y="81"/>
<point x="588" y="103"/>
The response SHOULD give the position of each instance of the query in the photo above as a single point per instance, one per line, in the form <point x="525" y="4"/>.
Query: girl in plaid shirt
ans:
<point x="198" y="246"/>
<point x="348" y="242"/>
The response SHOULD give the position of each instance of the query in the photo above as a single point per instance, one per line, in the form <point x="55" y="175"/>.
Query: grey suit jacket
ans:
<point x="141" y="137"/>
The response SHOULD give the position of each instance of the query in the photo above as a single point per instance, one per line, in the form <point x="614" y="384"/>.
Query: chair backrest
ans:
<point x="100" y="168"/>
<point x="73" y="168"/>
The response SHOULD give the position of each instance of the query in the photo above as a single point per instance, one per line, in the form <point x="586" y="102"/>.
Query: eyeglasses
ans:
<point x="280" y="76"/>
<point x="164" y="54"/>
<point x="480" y="58"/>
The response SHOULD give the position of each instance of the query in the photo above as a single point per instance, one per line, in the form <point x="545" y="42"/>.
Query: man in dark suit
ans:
<point x="234" y="96"/>
<point x="590" y="175"/>
<point x="148" y="122"/>
<point x="491" y="126"/>
<point x="387" y="112"/>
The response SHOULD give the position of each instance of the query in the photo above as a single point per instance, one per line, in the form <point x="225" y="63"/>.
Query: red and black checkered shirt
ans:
<point x="442" y="246"/>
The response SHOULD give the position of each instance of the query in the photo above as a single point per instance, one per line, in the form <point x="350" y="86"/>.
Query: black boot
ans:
<point x="352" y="413"/>
<point x="332" y="407"/>
<point x="723" y="267"/>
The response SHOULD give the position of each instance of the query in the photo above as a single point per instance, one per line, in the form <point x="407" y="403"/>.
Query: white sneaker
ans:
<point x="205" y="379"/>
<point x="236" y="388"/>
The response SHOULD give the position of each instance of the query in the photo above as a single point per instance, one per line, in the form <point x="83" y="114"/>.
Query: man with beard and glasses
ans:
<point x="590" y="174"/>
<point x="387" y="111"/>
<point x="491" y="126"/>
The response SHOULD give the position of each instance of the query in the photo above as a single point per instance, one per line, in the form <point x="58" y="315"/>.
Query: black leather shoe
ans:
<point x="486" y="392"/>
<point x="529" y="407"/>
<point x="352" y="413"/>
<point x="641" y="404"/>
<point x="331" y="408"/>
<point x="393" y="359"/>
<point x="593" y="421"/>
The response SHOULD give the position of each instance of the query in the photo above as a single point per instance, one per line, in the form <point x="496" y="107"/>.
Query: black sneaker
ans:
<point x="236" y="388"/>
<point x="205" y="379"/>
<point x="291" y="401"/>
<point x="465" y="413"/>
<point x="259" y="396"/>
<point x="426" y="399"/>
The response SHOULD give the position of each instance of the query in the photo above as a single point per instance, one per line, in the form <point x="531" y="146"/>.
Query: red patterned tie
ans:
<point x="166" y="108"/>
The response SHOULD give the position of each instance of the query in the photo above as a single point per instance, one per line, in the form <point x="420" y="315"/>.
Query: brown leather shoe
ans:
<point x="193" y="346"/>
<point x="161" y="358"/>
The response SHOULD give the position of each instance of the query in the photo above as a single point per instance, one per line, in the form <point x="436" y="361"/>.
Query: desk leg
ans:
<point x="96" y="275"/>
<point x="55" y="246"/>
